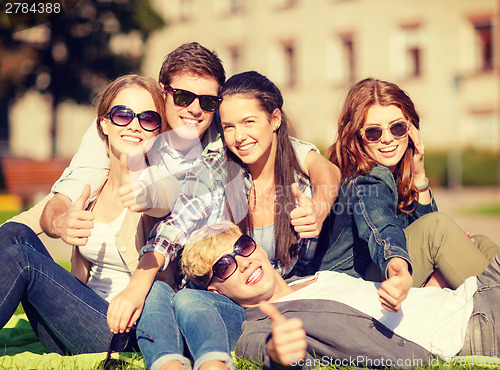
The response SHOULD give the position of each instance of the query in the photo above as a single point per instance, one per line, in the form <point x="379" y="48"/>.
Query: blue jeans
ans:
<point x="483" y="331"/>
<point x="157" y="319"/>
<point x="210" y="323"/>
<point x="65" y="314"/>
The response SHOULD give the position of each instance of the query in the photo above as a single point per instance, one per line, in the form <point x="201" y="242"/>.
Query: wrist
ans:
<point x="421" y="187"/>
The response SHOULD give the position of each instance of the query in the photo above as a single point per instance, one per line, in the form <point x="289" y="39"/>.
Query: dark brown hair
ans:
<point x="348" y="151"/>
<point x="194" y="58"/>
<point x="255" y="85"/>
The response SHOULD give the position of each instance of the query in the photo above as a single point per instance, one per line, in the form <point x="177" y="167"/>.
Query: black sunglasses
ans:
<point x="122" y="115"/>
<point x="118" y="343"/>
<point x="374" y="133"/>
<point x="184" y="98"/>
<point x="225" y="266"/>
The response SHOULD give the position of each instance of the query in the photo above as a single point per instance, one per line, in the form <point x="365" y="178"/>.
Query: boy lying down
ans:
<point x="338" y="318"/>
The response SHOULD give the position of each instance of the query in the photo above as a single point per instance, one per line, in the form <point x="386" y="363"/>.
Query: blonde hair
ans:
<point x="204" y="247"/>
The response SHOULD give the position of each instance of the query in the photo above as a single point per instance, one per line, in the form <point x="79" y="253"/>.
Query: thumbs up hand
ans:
<point x="394" y="290"/>
<point x="288" y="338"/>
<point x="75" y="224"/>
<point x="303" y="217"/>
<point x="130" y="197"/>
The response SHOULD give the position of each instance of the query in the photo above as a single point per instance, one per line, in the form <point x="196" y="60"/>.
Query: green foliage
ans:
<point x="72" y="57"/>
<point x="479" y="167"/>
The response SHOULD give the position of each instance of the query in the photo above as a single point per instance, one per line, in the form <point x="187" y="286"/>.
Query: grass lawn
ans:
<point x="483" y="210"/>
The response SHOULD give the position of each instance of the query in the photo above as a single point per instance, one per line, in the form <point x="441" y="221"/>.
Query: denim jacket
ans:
<point x="367" y="225"/>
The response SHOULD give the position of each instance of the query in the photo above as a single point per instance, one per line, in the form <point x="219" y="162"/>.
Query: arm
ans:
<point x="126" y="308"/>
<point x="394" y="290"/>
<point x="90" y="165"/>
<point x="70" y="222"/>
<point x="373" y="200"/>
<point x="309" y="216"/>
<point x="167" y="238"/>
<point x="287" y="342"/>
<point x="419" y="178"/>
<point x="151" y="190"/>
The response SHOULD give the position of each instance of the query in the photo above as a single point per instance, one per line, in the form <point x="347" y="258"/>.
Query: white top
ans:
<point x="109" y="274"/>
<point x="434" y="318"/>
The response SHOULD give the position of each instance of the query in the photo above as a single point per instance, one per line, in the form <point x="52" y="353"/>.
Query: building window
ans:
<point x="341" y="59"/>
<point x="484" y="41"/>
<point x="290" y="64"/>
<point x="178" y="10"/>
<point x="412" y="50"/>
<point x="483" y="132"/>
<point x="284" y="4"/>
<point x="347" y="43"/>
<point x="283" y="64"/>
<point x="233" y="60"/>
<point x="229" y="7"/>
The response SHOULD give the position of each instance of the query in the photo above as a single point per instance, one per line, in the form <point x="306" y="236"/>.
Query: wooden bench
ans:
<point x="29" y="178"/>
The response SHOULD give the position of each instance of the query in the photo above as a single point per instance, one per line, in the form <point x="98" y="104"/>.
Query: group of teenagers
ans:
<point x="188" y="204"/>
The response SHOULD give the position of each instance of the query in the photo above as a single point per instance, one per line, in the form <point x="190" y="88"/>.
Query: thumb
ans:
<point x="396" y="267"/>
<point x="300" y="196"/>
<point x="270" y="310"/>
<point x="124" y="175"/>
<point x="82" y="200"/>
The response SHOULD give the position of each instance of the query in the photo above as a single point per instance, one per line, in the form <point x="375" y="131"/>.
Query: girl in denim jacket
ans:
<point x="385" y="221"/>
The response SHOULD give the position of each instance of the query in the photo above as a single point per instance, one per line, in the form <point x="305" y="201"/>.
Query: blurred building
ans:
<point x="444" y="53"/>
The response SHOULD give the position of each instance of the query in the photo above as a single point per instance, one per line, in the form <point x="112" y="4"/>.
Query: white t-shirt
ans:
<point x="434" y="318"/>
<point x="109" y="274"/>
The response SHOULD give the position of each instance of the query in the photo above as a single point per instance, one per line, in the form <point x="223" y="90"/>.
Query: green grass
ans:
<point x="483" y="210"/>
<point x="5" y="215"/>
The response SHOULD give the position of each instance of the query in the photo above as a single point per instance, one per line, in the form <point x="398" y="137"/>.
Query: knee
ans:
<point x="186" y="299"/>
<point x="160" y="292"/>
<point x="14" y="232"/>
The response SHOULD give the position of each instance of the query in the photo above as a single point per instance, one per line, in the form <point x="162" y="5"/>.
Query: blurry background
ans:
<point x="444" y="53"/>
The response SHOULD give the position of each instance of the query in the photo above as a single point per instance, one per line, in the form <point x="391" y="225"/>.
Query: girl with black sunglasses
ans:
<point x="68" y="312"/>
<point x="385" y="220"/>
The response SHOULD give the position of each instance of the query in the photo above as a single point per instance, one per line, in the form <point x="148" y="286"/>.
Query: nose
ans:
<point x="134" y="124"/>
<point x="386" y="136"/>
<point x="243" y="262"/>
<point x="239" y="134"/>
<point x="194" y="108"/>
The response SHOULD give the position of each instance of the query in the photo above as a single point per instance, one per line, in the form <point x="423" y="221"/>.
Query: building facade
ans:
<point x="444" y="53"/>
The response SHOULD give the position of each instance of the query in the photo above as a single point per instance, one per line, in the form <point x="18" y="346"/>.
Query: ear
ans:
<point x="162" y="88"/>
<point x="212" y="289"/>
<point x="276" y="119"/>
<point x="104" y="124"/>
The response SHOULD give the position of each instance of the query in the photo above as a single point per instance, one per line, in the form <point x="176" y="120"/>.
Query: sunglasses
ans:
<point x="122" y="115"/>
<point x="118" y="343"/>
<point x="184" y="98"/>
<point x="374" y="133"/>
<point x="227" y="265"/>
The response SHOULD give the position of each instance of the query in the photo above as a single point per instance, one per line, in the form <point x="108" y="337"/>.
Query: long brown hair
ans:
<point x="348" y="151"/>
<point x="253" y="84"/>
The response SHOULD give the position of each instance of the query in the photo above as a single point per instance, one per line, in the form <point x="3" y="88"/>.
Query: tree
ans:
<point x="73" y="55"/>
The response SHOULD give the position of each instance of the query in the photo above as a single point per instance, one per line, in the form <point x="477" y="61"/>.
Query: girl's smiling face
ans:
<point x="249" y="131"/>
<point x="388" y="150"/>
<point x="123" y="139"/>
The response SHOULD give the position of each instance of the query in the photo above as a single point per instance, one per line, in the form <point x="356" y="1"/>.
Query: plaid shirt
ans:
<point x="202" y="201"/>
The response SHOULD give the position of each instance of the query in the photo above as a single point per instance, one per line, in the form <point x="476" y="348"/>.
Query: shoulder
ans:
<point x="300" y="144"/>
<point x="378" y="174"/>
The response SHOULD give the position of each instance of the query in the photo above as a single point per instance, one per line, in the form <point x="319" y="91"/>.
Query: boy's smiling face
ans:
<point x="254" y="280"/>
